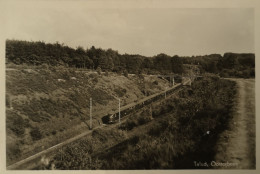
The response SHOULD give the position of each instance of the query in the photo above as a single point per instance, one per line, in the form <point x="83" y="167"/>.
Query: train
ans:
<point x="111" y="118"/>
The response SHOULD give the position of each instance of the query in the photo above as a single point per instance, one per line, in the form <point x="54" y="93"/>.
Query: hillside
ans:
<point x="46" y="105"/>
<point x="180" y="130"/>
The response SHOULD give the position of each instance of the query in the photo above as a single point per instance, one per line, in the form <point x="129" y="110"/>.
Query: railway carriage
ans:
<point x="113" y="117"/>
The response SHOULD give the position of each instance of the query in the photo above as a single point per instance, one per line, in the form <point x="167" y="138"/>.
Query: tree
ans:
<point x="177" y="65"/>
<point x="162" y="63"/>
<point x="213" y="67"/>
<point x="230" y="60"/>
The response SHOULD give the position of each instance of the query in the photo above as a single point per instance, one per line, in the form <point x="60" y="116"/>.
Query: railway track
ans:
<point x="34" y="160"/>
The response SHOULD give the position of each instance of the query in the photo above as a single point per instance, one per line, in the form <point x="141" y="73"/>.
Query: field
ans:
<point x="46" y="105"/>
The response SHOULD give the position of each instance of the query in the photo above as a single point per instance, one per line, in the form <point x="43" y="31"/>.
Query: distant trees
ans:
<point x="230" y="65"/>
<point x="37" y="53"/>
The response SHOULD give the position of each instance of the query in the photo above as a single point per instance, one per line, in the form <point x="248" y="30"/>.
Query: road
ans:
<point x="236" y="145"/>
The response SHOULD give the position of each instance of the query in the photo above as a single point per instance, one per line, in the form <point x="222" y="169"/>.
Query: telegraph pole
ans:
<point x="11" y="107"/>
<point x="119" y="109"/>
<point x="151" y="110"/>
<point x="90" y="113"/>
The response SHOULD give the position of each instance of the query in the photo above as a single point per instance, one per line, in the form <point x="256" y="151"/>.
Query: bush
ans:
<point x="95" y="80"/>
<point x="45" y="66"/>
<point x="120" y="92"/>
<point x="155" y="82"/>
<point x="129" y="124"/>
<point x="92" y="75"/>
<point x="53" y="132"/>
<point x="125" y="73"/>
<point x="16" y="123"/>
<point x="35" y="134"/>
<point x="223" y="74"/>
<point x="144" y="119"/>
<point x="12" y="152"/>
<point x="106" y="73"/>
<point x="99" y="71"/>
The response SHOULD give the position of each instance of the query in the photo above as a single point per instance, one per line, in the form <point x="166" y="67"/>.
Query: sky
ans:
<point x="144" y="31"/>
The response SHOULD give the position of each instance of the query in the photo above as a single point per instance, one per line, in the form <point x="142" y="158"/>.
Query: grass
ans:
<point x="183" y="131"/>
<point x="56" y="99"/>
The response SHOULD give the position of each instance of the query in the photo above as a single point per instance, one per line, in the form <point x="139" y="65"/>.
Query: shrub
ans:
<point x="143" y="119"/>
<point x="129" y="124"/>
<point x="12" y="151"/>
<point x="35" y="134"/>
<point x="106" y="73"/>
<point x="53" y="132"/>
<point x="120" y="92"/>
<point x="99" y="70"/>
<point x="92" y="75"/>
<point x="223" y="74"/>
<point x="45" y="66"/>
<point x="95" y="80"/>
<point x="155" y="82"/>
<point x="125" y="73"/>
<point x="16" y="123"/>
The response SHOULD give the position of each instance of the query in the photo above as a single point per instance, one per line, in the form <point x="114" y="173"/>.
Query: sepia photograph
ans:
<point x="95" y="85"/>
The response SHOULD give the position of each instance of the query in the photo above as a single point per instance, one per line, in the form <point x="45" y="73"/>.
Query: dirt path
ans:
<point x="236" y="146"/>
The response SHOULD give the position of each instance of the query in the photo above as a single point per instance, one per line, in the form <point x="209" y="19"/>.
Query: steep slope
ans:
<point x="46" y="105"/>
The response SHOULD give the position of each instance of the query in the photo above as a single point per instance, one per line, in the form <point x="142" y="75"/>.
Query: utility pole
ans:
<point x="151" y="110"/>
<point x="119" y="114"/>
<point x="90" y="113"/>
<point x="165" y="93"/>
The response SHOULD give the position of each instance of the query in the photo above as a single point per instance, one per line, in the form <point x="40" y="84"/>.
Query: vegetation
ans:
<point x="230" y="65"/>
<point x="46" y="105"/>
<point x="187" y="134"/>
<point x="16" y="123"/>
<point x="183" y="131"/>
<point x="40" y="53"/>
<point x="47" y="94"/>
<point x="36" y="134"/>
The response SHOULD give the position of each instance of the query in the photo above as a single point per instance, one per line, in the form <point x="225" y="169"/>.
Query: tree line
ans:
<point x="37" y="53"/>
<point x="56" y="54"/>
<point x="229" y="65"/>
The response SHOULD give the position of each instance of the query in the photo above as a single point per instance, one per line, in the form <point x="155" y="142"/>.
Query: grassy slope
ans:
<point x="173" y="139"/>
<point x="47" y="105"/>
